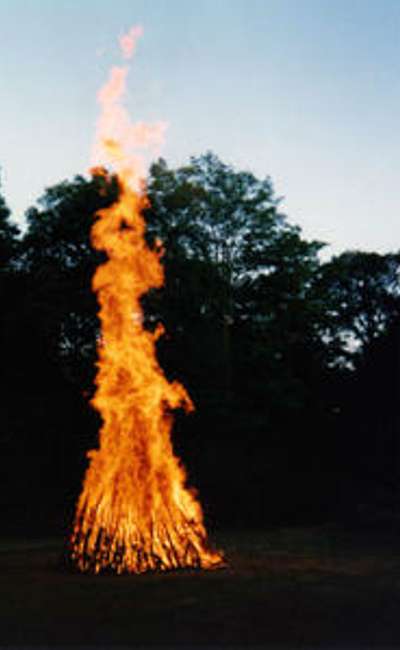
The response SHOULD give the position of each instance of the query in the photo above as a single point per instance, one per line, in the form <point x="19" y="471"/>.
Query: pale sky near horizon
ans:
<point x="304" y="91"/>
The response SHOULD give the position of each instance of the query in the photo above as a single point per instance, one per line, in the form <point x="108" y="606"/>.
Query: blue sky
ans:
<point x="305" y="91"/>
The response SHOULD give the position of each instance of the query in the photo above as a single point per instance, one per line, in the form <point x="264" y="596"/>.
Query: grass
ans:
<point x="289" y="588"/>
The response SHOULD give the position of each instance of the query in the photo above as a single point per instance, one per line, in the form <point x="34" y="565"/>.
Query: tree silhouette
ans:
<point x="59" y="262"/>
<point x="362" y="300"/>
<point x="8" y="235"/>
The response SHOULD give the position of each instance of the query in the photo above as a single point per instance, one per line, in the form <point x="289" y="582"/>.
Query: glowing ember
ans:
<point x="135" y="512"/>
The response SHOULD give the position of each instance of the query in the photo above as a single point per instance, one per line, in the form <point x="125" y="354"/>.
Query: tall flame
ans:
<point x="135" y="512"/>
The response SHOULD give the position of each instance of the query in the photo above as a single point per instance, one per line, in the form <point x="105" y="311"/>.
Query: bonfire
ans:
<point x="135" y="512"/>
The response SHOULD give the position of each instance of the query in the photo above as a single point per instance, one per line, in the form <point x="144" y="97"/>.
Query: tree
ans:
<point x="58" y="262"/>
<point x="362" y="296"/>
<point x="207" y="211"/>
<point x="9" y="244"/>
<point x="243" y="317"/>
<point x="48" y="337"/>
<point x="8" y="235"/>
<point x="232" y="260"/>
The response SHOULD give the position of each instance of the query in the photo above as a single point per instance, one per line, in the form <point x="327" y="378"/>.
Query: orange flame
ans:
<point x="135" y="512"/>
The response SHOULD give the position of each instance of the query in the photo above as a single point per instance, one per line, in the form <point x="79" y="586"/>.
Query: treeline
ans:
<point x="293" y="364"/>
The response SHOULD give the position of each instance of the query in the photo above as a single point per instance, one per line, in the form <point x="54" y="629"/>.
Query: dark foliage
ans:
<point x="293" y="364"/>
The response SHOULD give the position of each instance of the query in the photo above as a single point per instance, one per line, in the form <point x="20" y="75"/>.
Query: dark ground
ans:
<point x="298" y="587"/>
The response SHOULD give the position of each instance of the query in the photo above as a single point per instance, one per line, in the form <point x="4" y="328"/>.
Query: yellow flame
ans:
<point x="135" y="512"/>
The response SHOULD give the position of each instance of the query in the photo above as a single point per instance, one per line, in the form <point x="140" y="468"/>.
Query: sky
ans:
<point x="304" y="91"/>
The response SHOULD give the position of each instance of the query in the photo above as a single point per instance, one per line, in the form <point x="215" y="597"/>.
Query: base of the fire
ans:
<point x="160" y="549"/>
